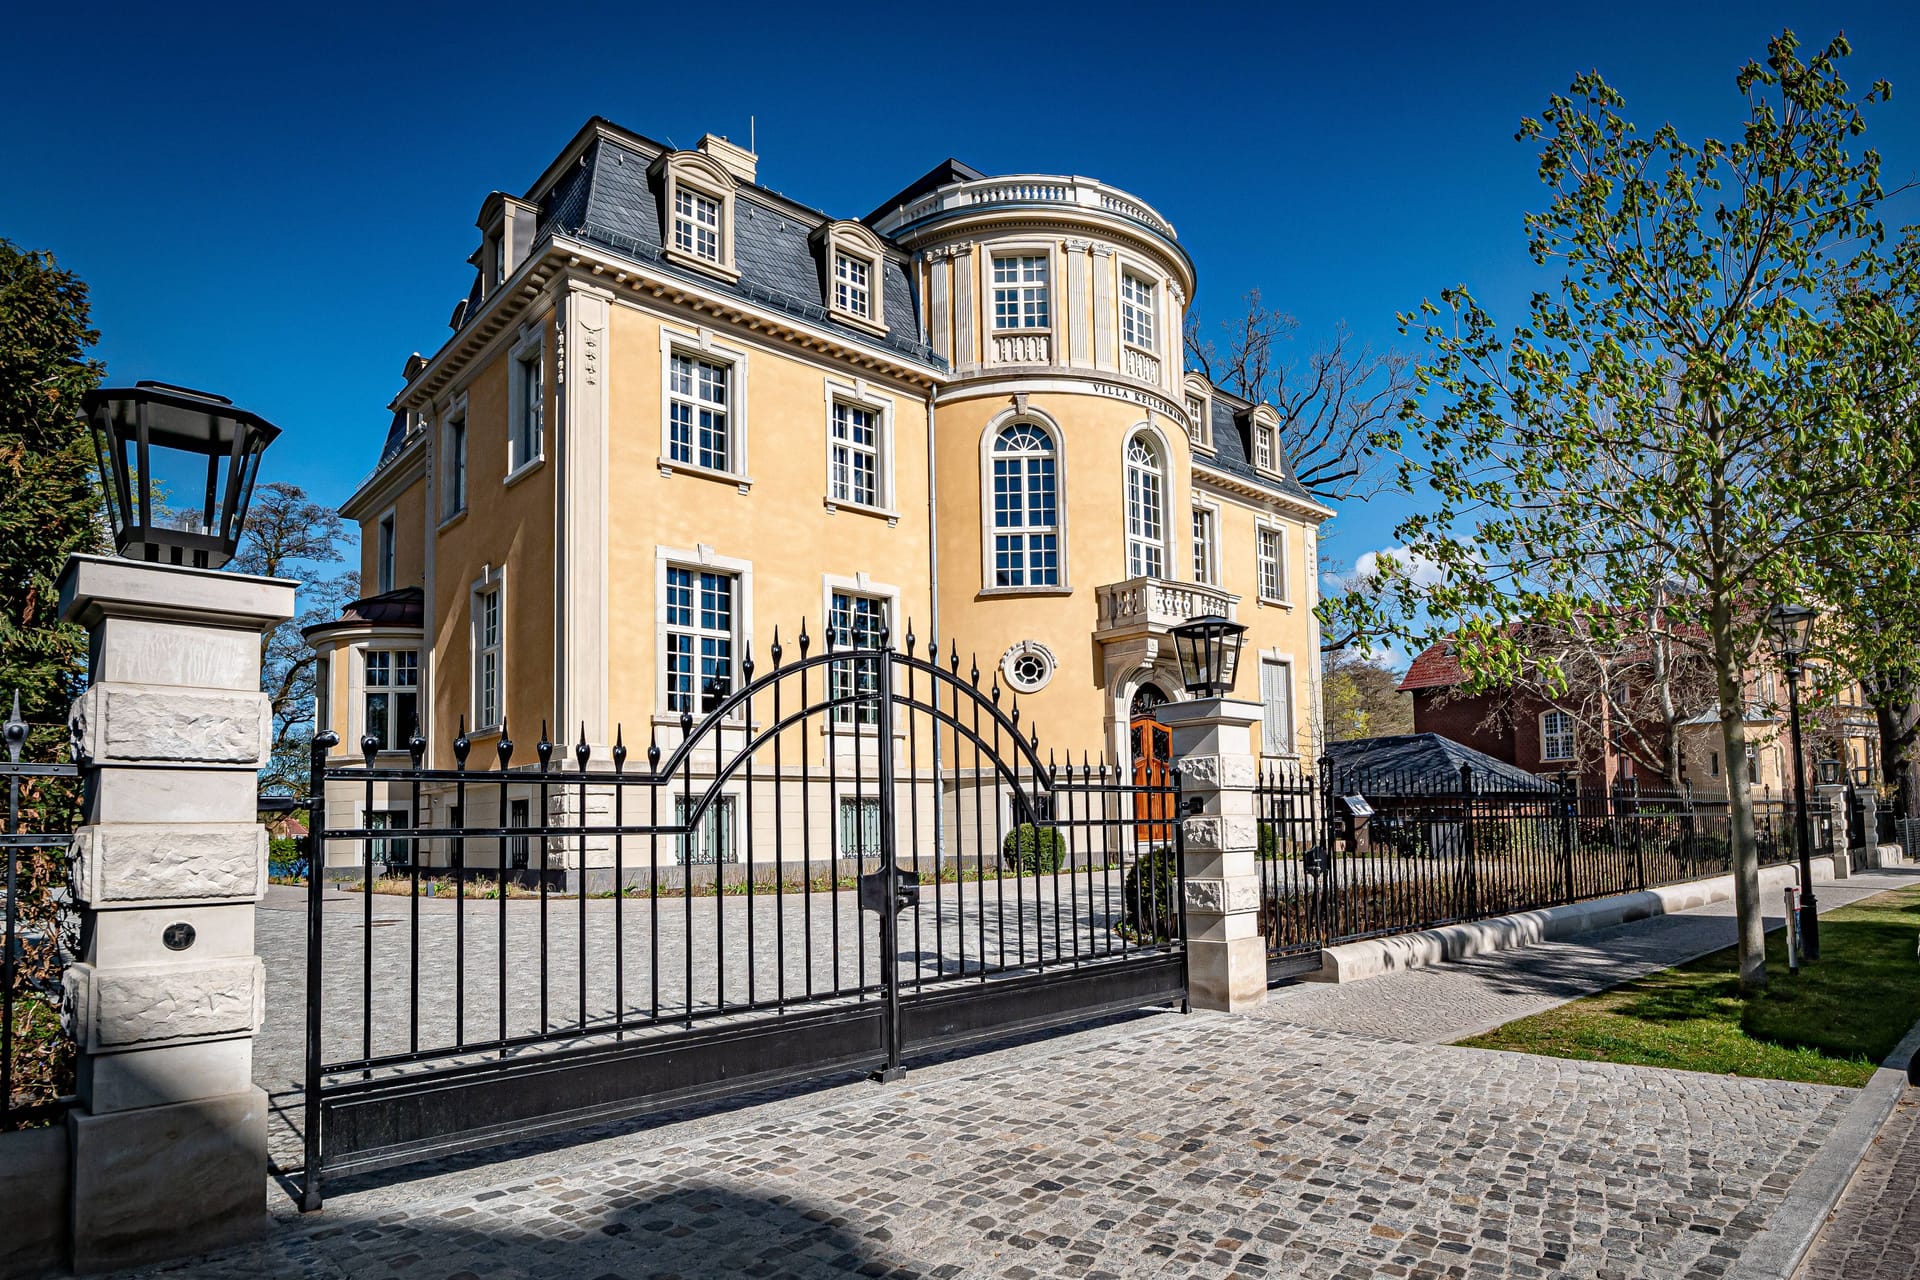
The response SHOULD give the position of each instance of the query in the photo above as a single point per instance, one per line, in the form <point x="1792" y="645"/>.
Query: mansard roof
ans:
<point x="607" y="197"/>
<point x="1232" y="431"/>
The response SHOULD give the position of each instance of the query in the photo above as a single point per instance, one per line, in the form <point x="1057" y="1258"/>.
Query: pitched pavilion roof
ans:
<point x="1423" y="761"/>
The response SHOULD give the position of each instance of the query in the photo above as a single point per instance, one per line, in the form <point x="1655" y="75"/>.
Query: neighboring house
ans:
<point x="1542" y="737"/>
<point x="679" y="410"/>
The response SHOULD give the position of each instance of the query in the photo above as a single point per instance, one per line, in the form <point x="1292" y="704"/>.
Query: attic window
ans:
<point x="852" y="260"/>
<point x="1263" y="447"/>
<point x="697" y="204"/>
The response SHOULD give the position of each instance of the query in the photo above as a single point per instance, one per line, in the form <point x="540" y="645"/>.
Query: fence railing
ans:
<point x="36" y="1054"/>
<point x="1344" y="857"/>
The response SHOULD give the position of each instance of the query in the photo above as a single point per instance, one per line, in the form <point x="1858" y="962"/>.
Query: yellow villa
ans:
<point x="678" y="412"/>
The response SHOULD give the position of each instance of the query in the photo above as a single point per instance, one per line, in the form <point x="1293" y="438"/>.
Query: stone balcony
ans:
<point x="1028" y="189"/>
<point x="1144" y="607"/>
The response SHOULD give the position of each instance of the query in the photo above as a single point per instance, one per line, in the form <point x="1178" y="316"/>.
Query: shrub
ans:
<point x="1031" y="849"/>
<point x="1151" y="896"/>
<point x="286" y="858"/>
<point x="1269" y="841"/>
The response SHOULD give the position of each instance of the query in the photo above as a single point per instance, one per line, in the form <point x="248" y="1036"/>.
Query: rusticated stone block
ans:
<point x="122" y="863"/>
<point x="137" y="1005"/>
<point x="1215" y="831"/>
<point x="1222" y="897"/>
<point x="1213" y="772"/>
<point x="118" y="723"/>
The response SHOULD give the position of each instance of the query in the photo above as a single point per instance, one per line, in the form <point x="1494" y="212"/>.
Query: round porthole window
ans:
<point x="1028" y="666"/>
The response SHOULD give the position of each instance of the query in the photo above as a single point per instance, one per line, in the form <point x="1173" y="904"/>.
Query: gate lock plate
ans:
<point x="873" y="890"/>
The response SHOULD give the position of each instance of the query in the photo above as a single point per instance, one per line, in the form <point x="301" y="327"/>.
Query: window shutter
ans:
<point x="1276" y="702"/>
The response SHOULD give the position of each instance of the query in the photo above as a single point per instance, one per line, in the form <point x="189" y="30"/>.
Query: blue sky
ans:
<point x="280" y="209"/>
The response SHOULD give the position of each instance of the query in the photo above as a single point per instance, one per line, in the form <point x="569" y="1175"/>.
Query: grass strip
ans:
<point x="1832" y="1023"/>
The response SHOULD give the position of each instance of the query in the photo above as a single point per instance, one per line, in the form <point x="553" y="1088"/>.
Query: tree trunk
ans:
<point x="1896" y="713"/>
<point x="1749" y="913"/>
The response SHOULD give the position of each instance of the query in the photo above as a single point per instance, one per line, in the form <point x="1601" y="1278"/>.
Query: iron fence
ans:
<point x="36" y="1054"/>
<point x="851" y="857"/>
<point x="1346" y="855"/>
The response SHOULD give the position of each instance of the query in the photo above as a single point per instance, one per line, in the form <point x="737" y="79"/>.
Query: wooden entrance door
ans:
<point x="1152" y="746"/>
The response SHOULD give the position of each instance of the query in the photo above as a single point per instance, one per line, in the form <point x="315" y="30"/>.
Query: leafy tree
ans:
<point x="1362" y="699"/>
<point x="1333" y="407"/>
<point x="287" y="535"/>
<point x="49" y="506"/>
<point x="1679" y="424"/>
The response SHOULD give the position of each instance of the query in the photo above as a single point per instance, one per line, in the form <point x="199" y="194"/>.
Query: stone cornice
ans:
<point x="1225" y="482"/>
<point x="389" y="479"/>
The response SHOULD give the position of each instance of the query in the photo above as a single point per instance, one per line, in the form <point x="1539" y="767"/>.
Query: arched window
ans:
<point x="1146" y="511"/>
<point x="1026" y="517"/>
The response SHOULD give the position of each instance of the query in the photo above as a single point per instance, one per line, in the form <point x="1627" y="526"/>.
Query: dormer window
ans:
<point x="696" y="224"/>
<point x="697" y="204"/>
<point x="1263" y="447"/>
<point x="852" y="260"/>
<point x="852" y="285"/>
<point x="1199" y="411"/>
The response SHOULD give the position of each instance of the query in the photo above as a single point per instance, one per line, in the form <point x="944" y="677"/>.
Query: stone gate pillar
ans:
<point x="1213" y="749"/>
<point x="169" y="1137"/>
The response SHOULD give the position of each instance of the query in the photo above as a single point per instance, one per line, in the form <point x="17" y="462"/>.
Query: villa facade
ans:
<point x="679" y="412"/>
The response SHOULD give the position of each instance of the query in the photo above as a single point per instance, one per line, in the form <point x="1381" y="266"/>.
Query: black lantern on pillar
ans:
<point x="1831" y="772"/>
<point x="179" y="467"/>
<point x="1209" y="650"/>
<point x="1792" y="626"/>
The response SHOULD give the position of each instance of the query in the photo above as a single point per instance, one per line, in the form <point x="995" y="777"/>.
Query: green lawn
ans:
<point x="1831" y="1024"/>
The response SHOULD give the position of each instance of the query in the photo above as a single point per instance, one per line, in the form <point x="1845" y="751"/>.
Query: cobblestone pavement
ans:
<point x="1179" y="1146"/>
<point x="1874" y="1232"/>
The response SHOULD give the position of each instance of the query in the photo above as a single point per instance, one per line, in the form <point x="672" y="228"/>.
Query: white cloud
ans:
<point x="1422" y="570"/>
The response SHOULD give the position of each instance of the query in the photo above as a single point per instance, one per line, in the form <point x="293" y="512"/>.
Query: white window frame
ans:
<point x="862" y="586"/>
<point x="696" y="223"/>
<point x="700" y="346"/>
<point x="858" y="395"/>
<point x="453" y="461"/>
<point x="527" y="432"/>
<point x="850" y="294"/>
<point x="699" y="559"/>
<point x="1021" y="289"/>
<point x="397" y="734"/>
<point x="1139" y="310"/>
<point x="856" y="243"/>
<point x="1549" y="752"/>
<point x="697" y="176"/>
<point x="1146" y="544"/>
<point x="1282" y="561"/>
<point x="1264" y="444"/>
<point x="990" y="531"/>
<point x="386" y="539"/>
<point x="1206" y="554"/>
<point x="1278" y="739"/>
<point x="492" y="584"/>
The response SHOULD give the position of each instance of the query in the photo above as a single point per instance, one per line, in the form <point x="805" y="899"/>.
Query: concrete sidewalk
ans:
<point x="1330" y="1135"/>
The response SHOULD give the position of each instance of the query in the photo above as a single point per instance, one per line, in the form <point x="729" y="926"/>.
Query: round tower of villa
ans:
<point x="1088" y="499"/>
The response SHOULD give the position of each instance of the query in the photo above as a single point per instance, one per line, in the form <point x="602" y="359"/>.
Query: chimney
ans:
<point x="734" y="159"/>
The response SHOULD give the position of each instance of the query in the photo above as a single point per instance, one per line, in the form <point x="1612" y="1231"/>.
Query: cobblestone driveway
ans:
<point x="1321" y="1138"/>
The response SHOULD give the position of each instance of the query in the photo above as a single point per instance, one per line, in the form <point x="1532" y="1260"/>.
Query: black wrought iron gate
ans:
<point x="837" y="863"/>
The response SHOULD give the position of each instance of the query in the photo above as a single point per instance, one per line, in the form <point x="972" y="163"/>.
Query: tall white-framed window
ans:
<point x="527" y="415"/>
<point x="392" y="696"/>
<point x="1206" y="546"/>
<point x="1026" y="513"/>
<point x="1263" y="447"/>
<point x="853" y="457"/>
<point x="1136" y="310"/>
<point x="1276" y="706"/>
<point x="711" y="841"/>
<point x="1272" y="557"/>
<point x="699" y="414"/>
<point x="696" y="223"/>
<point x="1146" y="511"/>
<point x="1020" y="291"/>
<point x="453" y="465"/>
<point x="1198" y="427"/>
<point x="853" y="285"/>
<point x="859" y="827"/>
<point x="489" y="656"/>
<point x="1556" y="735"/>
<point x="856" y="621"/>
<point x="384" y="553"/>
<point x="701" y="619"/>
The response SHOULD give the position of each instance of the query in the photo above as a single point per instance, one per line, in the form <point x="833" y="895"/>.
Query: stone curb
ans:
<point x="1776" y="1253"/>
<point x="1376" y="957"/>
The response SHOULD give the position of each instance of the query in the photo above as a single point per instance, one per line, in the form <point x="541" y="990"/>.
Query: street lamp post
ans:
<point x="1792" y="625"/>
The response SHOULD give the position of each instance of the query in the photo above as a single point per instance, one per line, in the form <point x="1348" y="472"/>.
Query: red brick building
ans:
<point x="1513" y="726"/>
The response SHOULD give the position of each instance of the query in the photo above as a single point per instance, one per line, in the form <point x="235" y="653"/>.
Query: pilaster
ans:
<point x="169" y="1137"/>
<point x="1226" y="952"/>
<point x="581" y="598"/>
